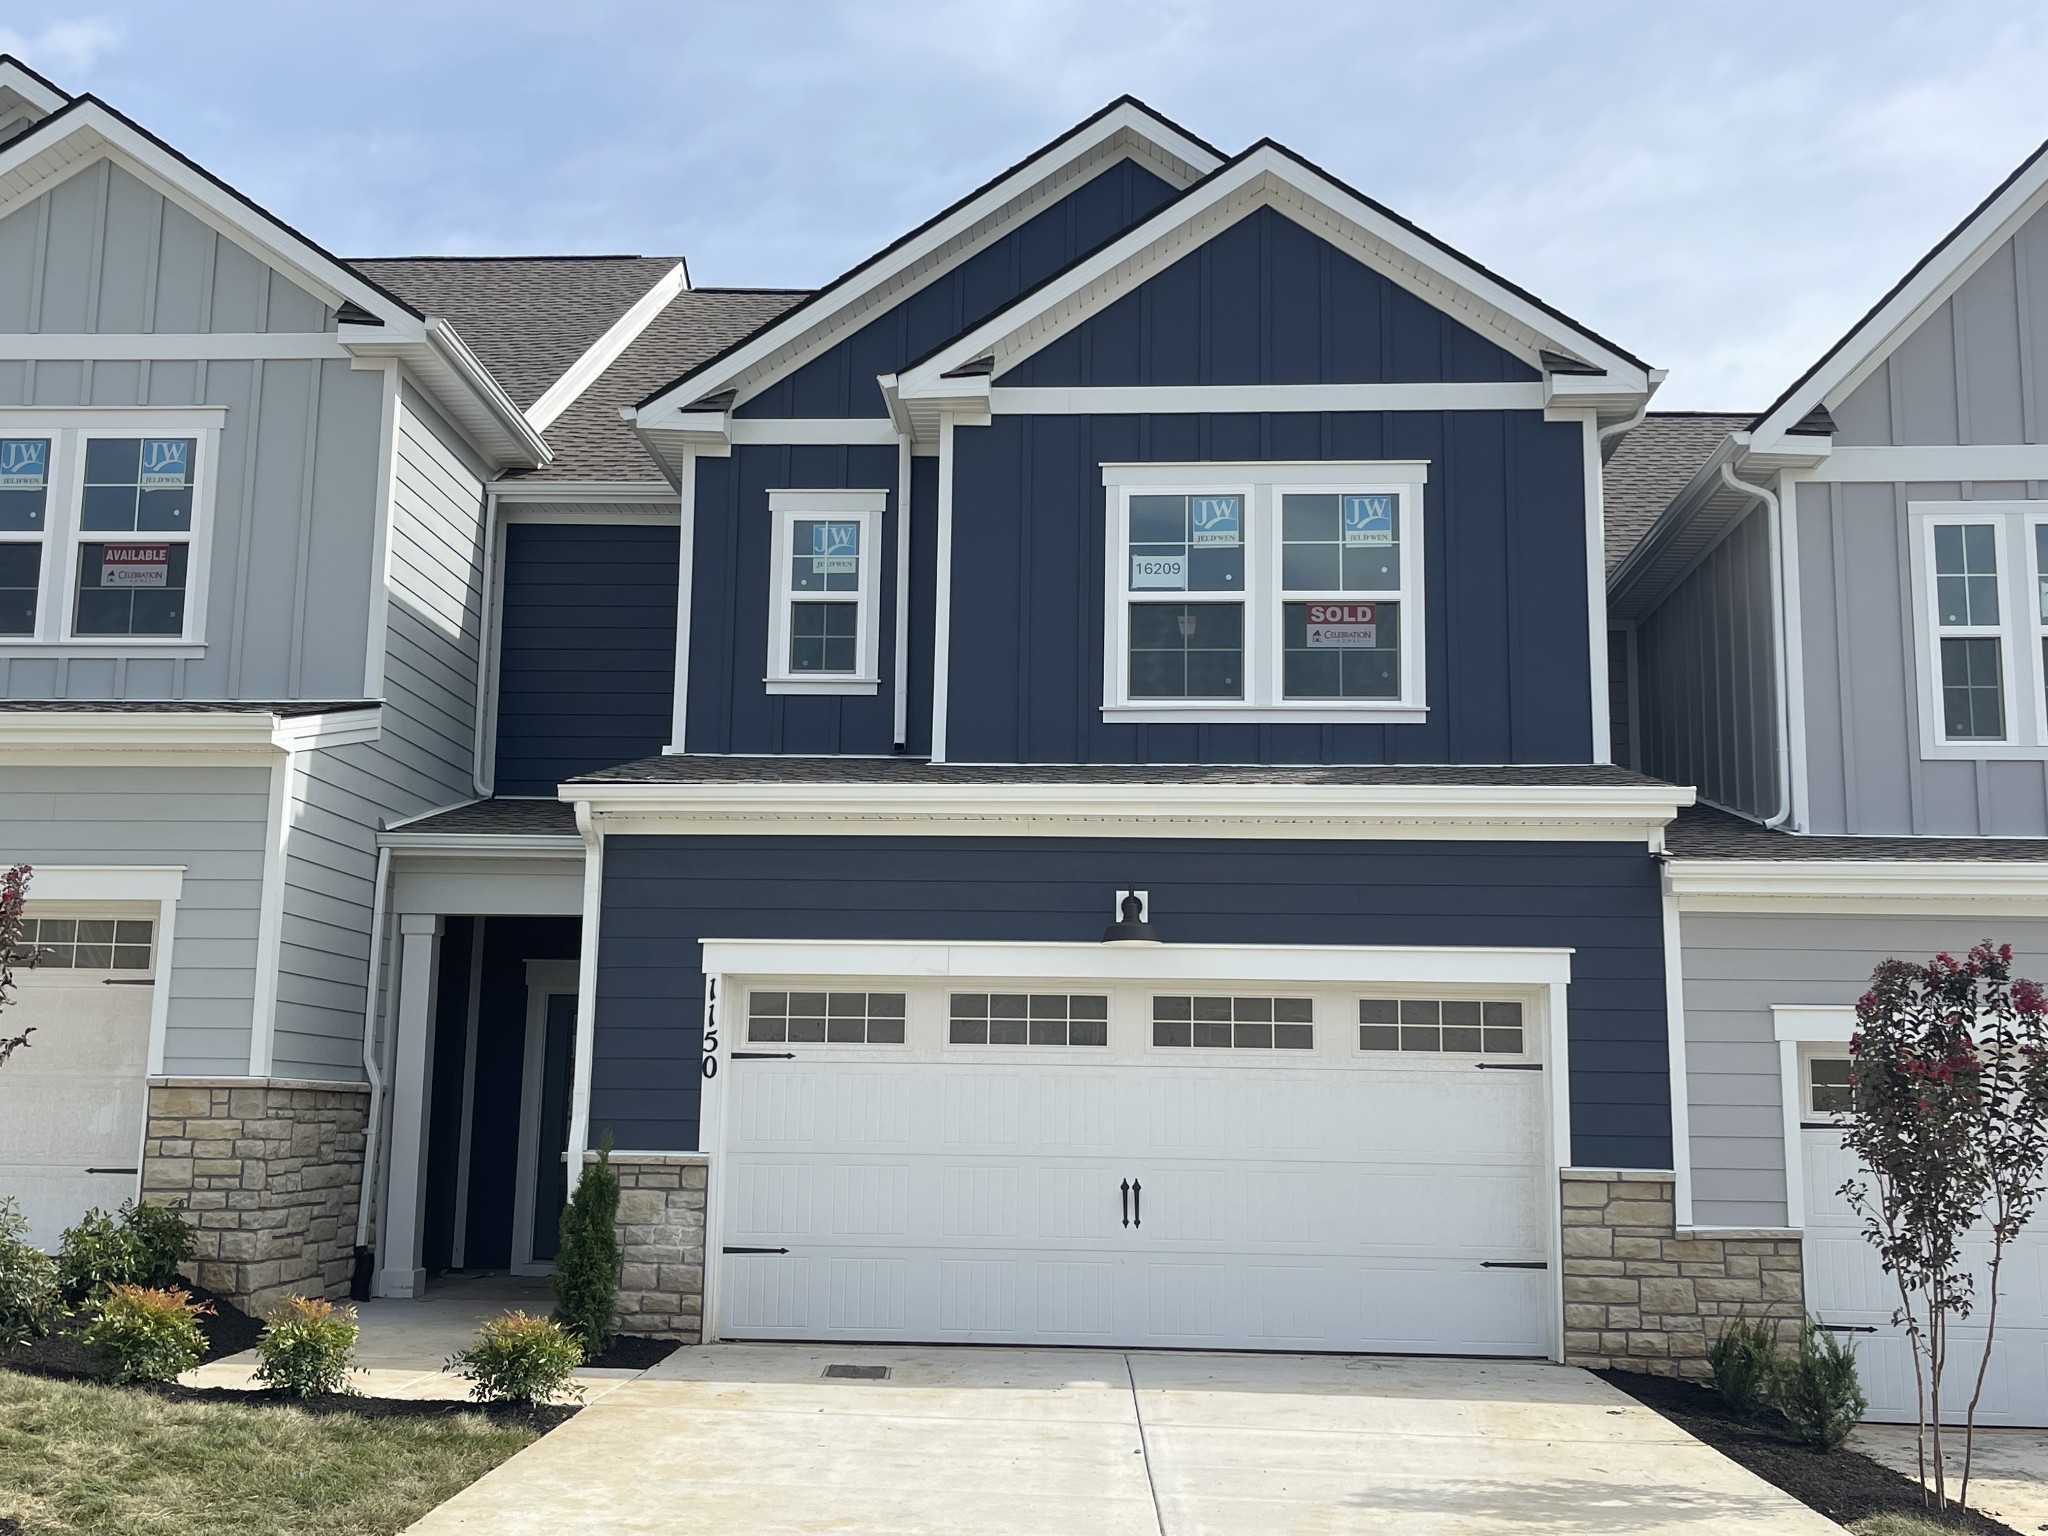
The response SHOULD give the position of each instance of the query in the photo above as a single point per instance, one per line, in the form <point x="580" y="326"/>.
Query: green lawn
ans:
<point x="113" y="1462"/>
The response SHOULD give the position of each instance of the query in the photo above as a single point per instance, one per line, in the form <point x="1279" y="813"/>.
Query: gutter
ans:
<point x="1782" y="667"/>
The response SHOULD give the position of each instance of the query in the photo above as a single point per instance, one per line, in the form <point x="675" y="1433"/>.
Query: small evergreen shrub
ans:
<point x="96" y="1253"/>
<point x="308" y="1347"/>
<point x="1817" y="1390"/>
<point x="29" y="1296"/>
<point x="521" y="1359"/>
<point x="588" y="1262"/>
<point x="147" y="1334"/>
<point x="160" y="1240"/>
<point x="1744" y="1356"/>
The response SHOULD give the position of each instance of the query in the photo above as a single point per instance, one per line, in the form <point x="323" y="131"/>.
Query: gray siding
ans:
<point x="1707" y="686"/>
<point x="296" y="485"/>
<point x="209" y="819"/>
<point x="1737" y="966"/>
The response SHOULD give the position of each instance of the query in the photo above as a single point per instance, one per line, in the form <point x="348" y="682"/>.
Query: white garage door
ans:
<point x="72" y="1100"/>
<point x="1124" y="1166"/>
<point x="1847" y="1290"/>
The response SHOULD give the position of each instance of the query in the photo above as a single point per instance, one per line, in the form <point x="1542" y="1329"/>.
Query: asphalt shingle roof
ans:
<point x="1652" y="465"/>
<point x="681" y="770"/>
<point x="289" y="709"/>
<point x="505" y="818"/>
<point x="1701" y="832"/>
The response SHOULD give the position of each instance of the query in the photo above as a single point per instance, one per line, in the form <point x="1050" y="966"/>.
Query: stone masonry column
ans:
<point x="661" y="1237"/>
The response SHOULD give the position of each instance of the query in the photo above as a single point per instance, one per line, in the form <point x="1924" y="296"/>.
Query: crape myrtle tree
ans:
<point x="13" y="926"/>
<point x="1949" y="1119"/>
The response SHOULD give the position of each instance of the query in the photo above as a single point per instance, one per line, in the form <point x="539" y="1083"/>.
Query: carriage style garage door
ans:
<point x="1271" y="1167"/>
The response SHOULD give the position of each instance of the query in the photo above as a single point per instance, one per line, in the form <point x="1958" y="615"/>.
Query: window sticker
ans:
<point x="1342" y="627"/>
<point x="135" y="565"/>
<point x="1216" y="520"/>
<point x="1368" y="520"/>
<point x="1167" y="573"/>
<point x="24" y="463"/>
<point x="835" y="549"/>
<point x="166" y="463"/>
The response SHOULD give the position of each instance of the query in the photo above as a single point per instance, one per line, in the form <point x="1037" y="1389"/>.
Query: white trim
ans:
<point x="570" y="492"/>
<point x="1169" y="399"/>
<point x="2017" y="630"/>
<point x="158" y="421"/>
<point x="162" y="884"/>
<point x="545" y="979"/>
<point x="632" y="514"/>
<point x="171" y="735"/>
<point x="1860" y="886"/>
<point x="472" y="1017"/>
<point x="586" y="983"/>
<point x="1813" y="1023"/>
<point x="686" y="585"/>
<point x="1677" y="1065"/>
<point x="1166" y="808"/>
<point x="378" y="640"/>
<point x="277" y="833"/>
<point x="1557" y="1063"/>
<point x="168" y="346"/>
<point x="1790" y="1117"/>
<point x="1973" y="462"/>
<point x="863" y="508"/>
<point x="37" y="94"/>
<point x="491" y="597"/>
<point x="711" y="1134"/>
<point x="348" y="727"/>
<point x="900" y="712"/>
<point x="412" y="1055"/>
<point x="869" y="431"/>
<point x="942" y="606"/>
<point x="604" y="351"/>
<point x="828" y="501"/>
<point x="1596" y="589"/>
<point x="1284" y="964"/>
<point x="524" y="844"/>
<point x="1792" y="635"/>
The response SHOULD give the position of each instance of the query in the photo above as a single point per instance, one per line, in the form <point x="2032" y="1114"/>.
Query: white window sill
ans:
<point x="1268" y="714"/>
<point x="828" y="685"/>
<point x="17" y="648"/>
<point x="1994" y="751"/>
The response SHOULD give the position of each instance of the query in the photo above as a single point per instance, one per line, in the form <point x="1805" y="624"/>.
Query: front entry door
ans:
<point x="551" y="1175"/>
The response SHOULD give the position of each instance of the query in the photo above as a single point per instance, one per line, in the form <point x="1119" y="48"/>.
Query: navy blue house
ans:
<point x="1092" y="796"/>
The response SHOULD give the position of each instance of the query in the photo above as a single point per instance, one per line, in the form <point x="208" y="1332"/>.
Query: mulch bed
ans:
<point x="542" y="1418"/>
<point x="1844" y="1485"/>
<point x="228" y="1330"/>
<point x="632" y="1352"/>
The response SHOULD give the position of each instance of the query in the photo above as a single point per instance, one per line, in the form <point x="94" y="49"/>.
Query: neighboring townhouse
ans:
<point x="1834" y="616"/>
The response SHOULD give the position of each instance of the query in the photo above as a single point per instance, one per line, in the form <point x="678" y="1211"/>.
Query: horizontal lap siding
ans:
<point x="663" y="895"/>
<point x="1504" y="567"/>
<point x="587" y="638"/>
<point x="841" y="381"/>
<point x="1736" y="968"/>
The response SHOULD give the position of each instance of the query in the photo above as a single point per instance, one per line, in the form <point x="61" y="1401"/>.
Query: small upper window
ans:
<point x="1829" y="1091"/>
<point x="1972" y="639"/>
<point x="822" y="625"/>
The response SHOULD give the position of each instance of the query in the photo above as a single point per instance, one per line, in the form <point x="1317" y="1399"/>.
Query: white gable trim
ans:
<point x="1125" y="130"/>
<point x="18" y="80"/>
<point x="1942" y="272"/>
<point x="1268" y="176"/>
<point x="604" y="351"/>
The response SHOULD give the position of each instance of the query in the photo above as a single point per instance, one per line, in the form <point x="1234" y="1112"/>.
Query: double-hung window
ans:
<point x="103" y="527"/>
<point x="1264" y="591"/>
<point x="826" y="585"/>
<point x="1980" y="597"/>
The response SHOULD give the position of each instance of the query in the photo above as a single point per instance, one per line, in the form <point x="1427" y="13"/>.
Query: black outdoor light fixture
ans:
<point x="1133" y="923"/>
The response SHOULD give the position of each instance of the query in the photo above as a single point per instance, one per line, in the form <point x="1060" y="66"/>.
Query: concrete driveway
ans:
<point x="735" y="1440"/>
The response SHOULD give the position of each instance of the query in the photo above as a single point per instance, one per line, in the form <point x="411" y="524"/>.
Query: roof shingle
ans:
<point x="1651" y="466"/>
<point x="1702" y="832"/>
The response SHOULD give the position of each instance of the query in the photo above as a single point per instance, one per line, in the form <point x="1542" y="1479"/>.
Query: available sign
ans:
<point x="135" y="565"/>
<point x="1342" y="627"/>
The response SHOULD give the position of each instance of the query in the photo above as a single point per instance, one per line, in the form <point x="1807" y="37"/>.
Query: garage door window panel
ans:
<point x="1433" y="1026"/>
<point x="1019" y="1018"/>
<point x="825" y="1018"/>
<point x="86" y="943"/>
<point x="1234" y="1023"/>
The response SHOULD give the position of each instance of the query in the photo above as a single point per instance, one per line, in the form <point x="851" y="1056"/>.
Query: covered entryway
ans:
<point x="73" y="1100"/>
<point x="1235" y="1161"/>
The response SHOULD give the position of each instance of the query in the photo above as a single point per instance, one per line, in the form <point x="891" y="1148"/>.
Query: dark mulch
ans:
<point x="633" y="1353"/>
<point x="228" y="1330"/>
<point x="542" y="1418"/>
<point x="1844" y="1485"/>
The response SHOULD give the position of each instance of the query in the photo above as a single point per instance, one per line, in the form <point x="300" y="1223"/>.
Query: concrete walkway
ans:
<point x="2008" y="1475"/>
<point x="748" y="1440"/>
<point x="404" y="1344"/>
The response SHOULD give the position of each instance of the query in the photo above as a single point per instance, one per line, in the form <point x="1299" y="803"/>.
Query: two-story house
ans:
<point x="1834" y="613"/>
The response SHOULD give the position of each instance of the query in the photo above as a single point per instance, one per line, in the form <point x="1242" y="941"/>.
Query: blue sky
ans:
<point x="1721" y="188"/>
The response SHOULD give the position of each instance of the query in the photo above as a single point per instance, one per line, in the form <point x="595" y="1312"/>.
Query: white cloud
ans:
<point x="62" y="47"/>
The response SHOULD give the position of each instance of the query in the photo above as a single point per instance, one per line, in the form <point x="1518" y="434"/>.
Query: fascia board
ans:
<point x="126" y="730"/>
<point x="515" y="492"/>
<point x="103" y="130"/>
<point x="1826" y="884"/>
<point x="837" y="297"/>
<point x="44" y="95"/>
<point x="527" y="844"/>
<point x="1626" y="589"/>
<point x="1941" y="272"/>
<point x="1624" y="376"/>
<point x="450" y="374"/>
<point x="604" y="351"/>
<point x="339" y="728"/>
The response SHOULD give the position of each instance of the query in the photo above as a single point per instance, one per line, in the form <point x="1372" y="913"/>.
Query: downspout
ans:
<point x="481" y="769"/>
<point x="1626" y="424"/>
<point x="902" y="646"/>
<point x="1781" y="669"/>
<point x="365" y="1260"/>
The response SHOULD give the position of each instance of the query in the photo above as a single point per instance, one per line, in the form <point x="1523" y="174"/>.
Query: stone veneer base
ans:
<point x="269" y="1171"/>
<point x="1638" y="1296"/>
<point x="661" y="1241"/>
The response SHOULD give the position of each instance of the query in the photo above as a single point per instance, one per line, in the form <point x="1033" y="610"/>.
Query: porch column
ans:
<point x="405" y="1189"/>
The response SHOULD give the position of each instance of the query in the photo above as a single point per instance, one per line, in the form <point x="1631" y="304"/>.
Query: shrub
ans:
<point x="518" y="1358"/>
<point x="29" y="1297"/>
<point x="1817" y="1390"/>
<point x="1744" y="1356"/>
<point x="308" y="1346"/>
<point x="93" y="1255"/>
<point x="149" y="1335"/>
<point x="160" y="1241"/>
<point x="587" y="1265"/>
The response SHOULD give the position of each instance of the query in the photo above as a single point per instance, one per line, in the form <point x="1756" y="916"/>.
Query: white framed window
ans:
<point x="104" y="526"/>
<point x="1980" y="618"/>
<point x="825" y="591"/>
<point x="825" y="1018"/>
<point x="1275" y="591"/>
<point x="1826" y="1092"/>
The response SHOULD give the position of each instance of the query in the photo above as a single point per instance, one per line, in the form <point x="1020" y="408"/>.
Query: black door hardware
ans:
<point x="1513" y="1264"/>
<point x="1509" y="1066"/>
<point x="1126" y="1188"/>
<point x="764" y="1055"/>
<point x="113" y="1170"/>
<point x="753" y="1250"/>
<point x="1137" y="1204"/>
<point x="1847" y="1328"/>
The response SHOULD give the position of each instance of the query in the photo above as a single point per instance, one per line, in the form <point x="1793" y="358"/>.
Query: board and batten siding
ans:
<point x="663" y="895"/>
<point x="1707" y="679"/>
<point x="1504" y="563"/>
<point x="1737" y="966"/>
<point x="296" y="486"/>
<point x="208" y="819"/>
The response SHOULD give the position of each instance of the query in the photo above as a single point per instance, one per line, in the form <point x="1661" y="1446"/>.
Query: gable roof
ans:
<point x="1925" y="286"/>
<point x="1126" y="126"/>
<point x="25" y="97"/>
<point x="1268" y="174"/>
<point x="1652" y="464"/>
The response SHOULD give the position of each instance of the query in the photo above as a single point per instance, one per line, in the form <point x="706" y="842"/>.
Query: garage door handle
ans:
<point x="112" y="1170"/>
<point x="753" y="1250"/>
<point x="1137" y="1204"/>
<point x="1509" y="1066"/>
<point x="764" y="1055"/>
<point x="1513" y="1264"/>
<point x="1125" y="1187"/>
<point x="127" y="981"/>
<point x="1845" y="1328"/>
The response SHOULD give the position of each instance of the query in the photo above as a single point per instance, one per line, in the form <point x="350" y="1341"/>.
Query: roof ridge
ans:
<point x="571" y="256"/>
